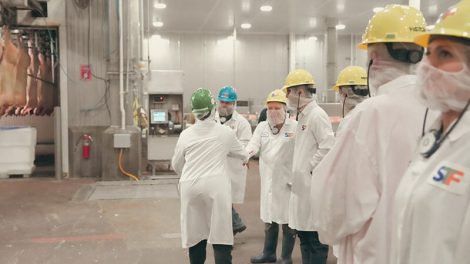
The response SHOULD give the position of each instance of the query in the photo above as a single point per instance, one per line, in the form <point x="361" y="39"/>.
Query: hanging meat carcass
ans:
<point x="21" y="70"/>
<point x="7" y="68"/>
<point x="44" y="86"/>
<point x="31" y="84"/>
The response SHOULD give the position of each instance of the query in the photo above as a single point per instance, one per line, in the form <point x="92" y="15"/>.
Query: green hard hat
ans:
<point x="202" y="101"/>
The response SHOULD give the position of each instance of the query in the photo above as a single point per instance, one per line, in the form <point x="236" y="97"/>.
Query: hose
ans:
<point x="135" y="178"/>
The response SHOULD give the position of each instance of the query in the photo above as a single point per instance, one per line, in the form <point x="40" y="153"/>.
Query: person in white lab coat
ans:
<point x="432" y="202"/>
<point x="313" y="139"/>
<point x="274" y="139"/>
<point x="228" y="116"/>
<point x="354" y="186"/>
<point x="200" y="159"/>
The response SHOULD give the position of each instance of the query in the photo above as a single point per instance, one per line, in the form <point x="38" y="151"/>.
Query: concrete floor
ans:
<point x="47" y="221"/>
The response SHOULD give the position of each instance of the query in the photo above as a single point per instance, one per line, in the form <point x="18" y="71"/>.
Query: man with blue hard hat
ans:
<point x="227" y="115"/>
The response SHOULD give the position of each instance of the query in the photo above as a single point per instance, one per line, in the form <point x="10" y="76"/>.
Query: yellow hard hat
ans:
<point x="277" y="96"/>
<point x="454" y="22"/>
<point x="298" y="77"/>
<point x="351" y="75"/>
<point x="396" y="23"/>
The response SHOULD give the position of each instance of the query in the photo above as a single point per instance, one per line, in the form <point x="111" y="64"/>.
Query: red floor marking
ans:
<point x="49" y="240"/>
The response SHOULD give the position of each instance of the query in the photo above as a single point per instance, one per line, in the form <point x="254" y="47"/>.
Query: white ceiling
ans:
<point x="297" y="16"/>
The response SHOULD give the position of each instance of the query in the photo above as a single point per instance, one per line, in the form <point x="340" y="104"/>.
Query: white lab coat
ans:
<point x="200" y="159"/>
<point x="313" y="139"/>
<point x="432" y="204"/>
<point x="236" y="170"/>
<point x="275" y="165"/>
<point x="354" y="185"/>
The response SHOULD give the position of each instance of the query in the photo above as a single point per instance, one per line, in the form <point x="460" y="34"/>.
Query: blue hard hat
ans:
<point x="227" y="94"/>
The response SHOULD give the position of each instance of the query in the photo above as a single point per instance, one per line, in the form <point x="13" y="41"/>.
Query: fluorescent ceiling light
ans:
<point x="340" y="26"/>
<point x="430" y="27"/>
<point x="157" y="23"/>
<point x="377" y="9"/>
<point x="159" y="5"/>
<point x="313" y="38"/>
<point x="245" y="25"/>
<point x="266" y="8"/>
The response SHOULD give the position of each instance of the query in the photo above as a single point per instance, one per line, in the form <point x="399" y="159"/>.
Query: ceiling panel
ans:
<point x="297" y="16"/>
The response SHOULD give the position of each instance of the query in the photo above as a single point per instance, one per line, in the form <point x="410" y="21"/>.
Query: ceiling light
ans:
<point x="340" y="26"/>
<point x="266" y="8"/>
<point x="157" y="23"/>
<point x="377" y="9"/>
<point x="245" y="25"/>
<point x="430" y="27"/>
<point x="159" y="5"/>
<point x="313" y="38"/>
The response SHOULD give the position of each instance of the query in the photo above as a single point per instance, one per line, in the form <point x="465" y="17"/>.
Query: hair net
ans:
<point x="205" y="115"/>
<point x="384" y="68"/>
<point x="442" y="90"/>
<point x="276" y="117"/>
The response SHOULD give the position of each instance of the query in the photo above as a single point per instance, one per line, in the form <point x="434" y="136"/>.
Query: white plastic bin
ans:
<point x="17" y="146"/>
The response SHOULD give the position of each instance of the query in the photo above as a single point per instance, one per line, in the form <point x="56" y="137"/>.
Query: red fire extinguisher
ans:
<point x="86" y="144"/>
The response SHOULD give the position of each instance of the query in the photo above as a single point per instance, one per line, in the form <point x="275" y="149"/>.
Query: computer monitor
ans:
<point x="158" y="116"/>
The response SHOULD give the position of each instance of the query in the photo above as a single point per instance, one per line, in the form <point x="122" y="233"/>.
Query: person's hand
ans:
<point x="247" y="164"/>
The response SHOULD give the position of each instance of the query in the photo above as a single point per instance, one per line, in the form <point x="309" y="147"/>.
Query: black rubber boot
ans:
<point x="237" y="223"/>
<point x="320" y="251"/>
<point x="288" y="242"/>
<point x="304" y="246"/>
<point x="197" y="253"/>
<point x="271" y="231"/>
<point x="222" y="254"/>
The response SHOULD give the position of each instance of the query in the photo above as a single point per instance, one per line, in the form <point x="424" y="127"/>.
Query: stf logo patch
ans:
<point x="289" y="135"/>
<point x="450" y="177"/>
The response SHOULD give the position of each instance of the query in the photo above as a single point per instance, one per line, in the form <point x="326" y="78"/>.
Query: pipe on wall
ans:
<point x="121" y="68"/>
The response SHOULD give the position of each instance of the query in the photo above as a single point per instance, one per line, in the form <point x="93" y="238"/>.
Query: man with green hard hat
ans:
<point x="205" y="189"/>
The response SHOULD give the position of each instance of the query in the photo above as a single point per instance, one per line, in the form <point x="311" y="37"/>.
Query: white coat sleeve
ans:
<point x="244" y="132"/>
<point x="255" y="142"/>
<point x="236" y="149"/>
<point x="345" y="190"/>
<point x="178" y="160"/>
<point x="462" y="254"/>
<point x="323" y="133"/>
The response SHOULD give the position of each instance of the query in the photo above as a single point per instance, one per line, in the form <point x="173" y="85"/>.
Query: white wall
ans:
<point x="257" y="66"/>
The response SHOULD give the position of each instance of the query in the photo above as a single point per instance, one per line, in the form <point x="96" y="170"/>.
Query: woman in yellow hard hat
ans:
<point x="351" y="87"/>
<point x="274" y="139"/>
<point x="432" y="204"/>
<point x="354" y="185"/>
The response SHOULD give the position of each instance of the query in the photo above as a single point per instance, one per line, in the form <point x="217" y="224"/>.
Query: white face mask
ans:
<point x="382" y="72"/>
<point x="225" y="111"/>
<point x="351" y="102"/>
<point x="276" y="117"/>
<point x="442" y="90"/>
<point x="293" y="101"/>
